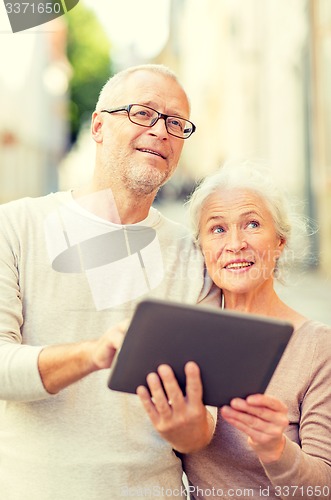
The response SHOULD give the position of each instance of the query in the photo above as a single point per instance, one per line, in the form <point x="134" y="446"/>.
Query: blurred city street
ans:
<point x="85" y="157"/>
<point x="308" y="291"/>
<point x="268" y="97"/>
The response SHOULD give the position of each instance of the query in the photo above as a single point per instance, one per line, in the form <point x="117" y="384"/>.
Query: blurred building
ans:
<point x="320" y="16"/>
<point x="259" y="76"/>
<point x="34" y="76"/>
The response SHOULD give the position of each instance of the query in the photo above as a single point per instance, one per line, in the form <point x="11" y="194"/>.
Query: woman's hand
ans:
<point x="182" y="420"/>
<point x="263" y="418"/>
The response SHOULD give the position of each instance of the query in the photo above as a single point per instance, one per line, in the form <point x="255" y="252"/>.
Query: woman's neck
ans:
<point x="263" y="302"/>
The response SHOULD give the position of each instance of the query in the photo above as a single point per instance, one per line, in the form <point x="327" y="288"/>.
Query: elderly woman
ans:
<point x="277" y="444"/>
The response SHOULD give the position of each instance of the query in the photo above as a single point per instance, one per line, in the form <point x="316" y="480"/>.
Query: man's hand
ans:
<point x="263" y="418"/>
<point x="104" y="349"/>
<point x="183" y="421"/>
<point x="62" y="365"/>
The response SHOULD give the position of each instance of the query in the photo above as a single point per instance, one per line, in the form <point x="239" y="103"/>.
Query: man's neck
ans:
<point x="117" y="208"/>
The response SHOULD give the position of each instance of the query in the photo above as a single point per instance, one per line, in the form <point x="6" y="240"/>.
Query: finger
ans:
<point x="267" y="401"/>
<point x="120" y="327"/>
<point x="250" y="423"/>
<point x="159" y="397"/>
<point x="277" y="416"/>
<point x="116" y="338"/>
<point x="147" y="402"/>
<point x="256" y="435"/>
<point x="194" y="389"/>
<point x="171" y="386"/>
<point x="104" y="349"/>
<point x="124" y="325"/>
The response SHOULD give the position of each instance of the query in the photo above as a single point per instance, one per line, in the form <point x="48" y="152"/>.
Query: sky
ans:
<point x="143" y="23"/>
<point x="139" y="27"/>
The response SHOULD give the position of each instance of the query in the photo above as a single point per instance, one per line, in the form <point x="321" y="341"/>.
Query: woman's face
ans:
<point x="239" y="240"/>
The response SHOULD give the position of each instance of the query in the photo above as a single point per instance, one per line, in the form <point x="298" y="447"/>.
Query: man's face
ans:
<point x="138" y="158"/>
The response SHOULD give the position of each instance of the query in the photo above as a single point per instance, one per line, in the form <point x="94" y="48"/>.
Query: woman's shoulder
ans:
<point x="314" y="328"/>
<point x="314" y="337"/>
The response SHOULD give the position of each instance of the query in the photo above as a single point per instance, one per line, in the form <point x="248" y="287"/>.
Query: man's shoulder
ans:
<point x="174" y="229"/>
<point x="30" y="204"/>
<point x="23" y="214"/>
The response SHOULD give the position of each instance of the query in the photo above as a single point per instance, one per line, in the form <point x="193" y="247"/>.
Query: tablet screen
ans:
<point x="237" y="353"/>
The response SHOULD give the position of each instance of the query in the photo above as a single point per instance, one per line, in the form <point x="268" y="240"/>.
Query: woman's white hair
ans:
<point x="289" y="226"/>
<point x="111" y="89"/>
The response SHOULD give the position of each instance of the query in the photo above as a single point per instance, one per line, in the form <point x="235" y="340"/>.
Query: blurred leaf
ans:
<point x="89" y="55"/>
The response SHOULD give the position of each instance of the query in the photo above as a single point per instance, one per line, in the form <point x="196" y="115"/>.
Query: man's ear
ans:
<point x="96" y="126"/>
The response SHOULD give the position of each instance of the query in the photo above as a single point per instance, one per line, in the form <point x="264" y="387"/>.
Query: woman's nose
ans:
<point x="235" y="241"/>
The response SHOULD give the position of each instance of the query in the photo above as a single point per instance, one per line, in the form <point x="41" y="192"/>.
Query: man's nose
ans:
<point x="159" y="128"/>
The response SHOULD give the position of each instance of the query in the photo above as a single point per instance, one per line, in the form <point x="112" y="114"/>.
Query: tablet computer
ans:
<point x="237" y="353"/>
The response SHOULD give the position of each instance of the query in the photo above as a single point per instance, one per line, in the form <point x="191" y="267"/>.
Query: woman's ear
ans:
<point x="96" y="126"/>
<point x="281" y="243"/>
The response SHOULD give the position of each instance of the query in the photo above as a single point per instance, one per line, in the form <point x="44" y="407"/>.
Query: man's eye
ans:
<point x="142" y="113"/>
<point x="175" y="123"/>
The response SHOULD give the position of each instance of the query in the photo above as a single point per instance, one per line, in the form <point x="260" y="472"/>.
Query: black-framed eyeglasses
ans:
<point x="147" y="117"/>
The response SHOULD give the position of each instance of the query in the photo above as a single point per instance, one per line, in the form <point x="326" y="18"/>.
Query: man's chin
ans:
<point x="146" y="180"/>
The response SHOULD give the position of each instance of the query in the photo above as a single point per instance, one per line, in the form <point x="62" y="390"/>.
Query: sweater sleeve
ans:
<point x="19" y="375"/>
<point x="306" y="469"/>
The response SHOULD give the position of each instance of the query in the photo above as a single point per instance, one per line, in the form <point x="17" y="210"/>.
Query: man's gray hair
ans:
<point x="109" y="91"/>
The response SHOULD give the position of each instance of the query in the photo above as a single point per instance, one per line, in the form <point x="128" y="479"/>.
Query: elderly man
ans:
<point x="73" y="265"/>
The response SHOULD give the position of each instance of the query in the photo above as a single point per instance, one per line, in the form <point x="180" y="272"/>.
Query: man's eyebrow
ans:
<point x="153" y="105"/>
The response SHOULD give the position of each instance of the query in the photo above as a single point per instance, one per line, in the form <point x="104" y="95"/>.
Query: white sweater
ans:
<point x="60" y="281"/>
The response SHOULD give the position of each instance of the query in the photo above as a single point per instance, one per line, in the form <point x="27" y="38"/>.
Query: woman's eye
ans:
<point x="253" y="224"/>
<point x="217" y="230"/>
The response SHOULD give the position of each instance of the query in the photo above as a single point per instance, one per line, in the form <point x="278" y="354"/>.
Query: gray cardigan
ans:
<point x="302" y="380"/>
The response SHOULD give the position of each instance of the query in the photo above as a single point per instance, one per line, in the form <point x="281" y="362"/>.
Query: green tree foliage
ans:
<point x="89" y="55"/>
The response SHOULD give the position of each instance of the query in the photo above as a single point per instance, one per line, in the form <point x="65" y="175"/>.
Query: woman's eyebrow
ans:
<point x="215" y="218"/>
<point x="249" y="213"/>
